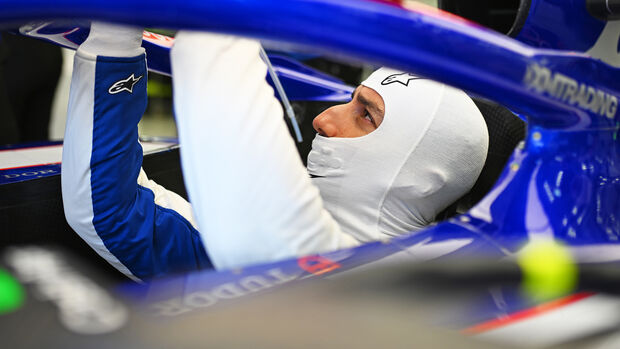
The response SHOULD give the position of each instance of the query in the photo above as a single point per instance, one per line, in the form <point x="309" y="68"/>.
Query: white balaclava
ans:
<point x="428" y="152"/>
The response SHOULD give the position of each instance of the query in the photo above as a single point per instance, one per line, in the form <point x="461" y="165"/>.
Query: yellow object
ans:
<point x="158" y="89"/>
<point x="548" y="270"/>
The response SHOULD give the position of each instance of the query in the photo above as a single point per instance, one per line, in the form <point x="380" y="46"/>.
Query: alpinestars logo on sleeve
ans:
<point x="124" y="85"/>
<point x="402" y="78"/>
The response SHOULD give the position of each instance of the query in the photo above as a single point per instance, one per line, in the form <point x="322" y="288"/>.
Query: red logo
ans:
<point x="158" y="39"/>
<point x="317" y="265"/>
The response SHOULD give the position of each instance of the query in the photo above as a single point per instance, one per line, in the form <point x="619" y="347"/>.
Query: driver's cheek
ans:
<point x="350" y="124"/>
<point x="364" y="126"/>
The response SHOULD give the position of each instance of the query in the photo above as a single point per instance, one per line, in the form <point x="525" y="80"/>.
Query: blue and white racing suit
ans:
<point x="261" y="205"/>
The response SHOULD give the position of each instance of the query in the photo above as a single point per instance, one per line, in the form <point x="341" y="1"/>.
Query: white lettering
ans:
<point x="280" y="277"/>
<point x="255" y="283"/>
<point x="571" y="88"/>
<point x="544" y="81"/>
<point x="228" y="291"/>
<point x="200" y="300"/>
<point x="171" y="307"/>
<point x="613" y="107"/>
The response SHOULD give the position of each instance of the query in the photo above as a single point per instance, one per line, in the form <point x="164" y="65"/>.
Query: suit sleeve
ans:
<point x="253" y="198"/>
<point x="136" y="225"/>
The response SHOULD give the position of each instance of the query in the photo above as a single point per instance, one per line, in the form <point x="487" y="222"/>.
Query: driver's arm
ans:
<point x="136" y="225"/>
<point x="251" y="193"/>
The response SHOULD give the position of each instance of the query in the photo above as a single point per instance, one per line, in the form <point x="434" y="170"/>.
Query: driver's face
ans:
<point x="362" y="115"/>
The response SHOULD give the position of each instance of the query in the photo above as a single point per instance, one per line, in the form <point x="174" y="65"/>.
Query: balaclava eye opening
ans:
<point x="428" y="151"/>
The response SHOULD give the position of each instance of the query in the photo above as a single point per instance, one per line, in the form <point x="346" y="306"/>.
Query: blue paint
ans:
<point x="22" y="174"/>
<point x="301" y="82"/>
<point x="563" y="25"/>
<point x="563" y="184"/>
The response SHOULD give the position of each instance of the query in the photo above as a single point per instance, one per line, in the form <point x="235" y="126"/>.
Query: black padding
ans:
<point x="506" y="130"/>
<point x="522" y="14"/>
<point x="499" y="15"/>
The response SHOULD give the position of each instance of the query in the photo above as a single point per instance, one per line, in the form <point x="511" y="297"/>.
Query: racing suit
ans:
<point x="259" y="204"/>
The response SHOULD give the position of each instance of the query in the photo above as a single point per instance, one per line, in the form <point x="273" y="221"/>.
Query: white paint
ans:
<point x="577" y="320"/>
<point x="53" y="154"/>
<point x="596" y="253"/>
<point x="606" y="47"/>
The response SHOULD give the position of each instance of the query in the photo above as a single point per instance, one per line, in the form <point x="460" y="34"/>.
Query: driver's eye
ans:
<point x="369" y="117"/>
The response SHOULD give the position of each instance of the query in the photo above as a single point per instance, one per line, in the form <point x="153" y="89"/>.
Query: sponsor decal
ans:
<point x="317" y="265"/>
<point x="124" y="85"/>
<point x="21" y="174"/>
<point x="251" y="284"/>
<point x="228" y="291"/>
<point x="402" y="78"/>
<point x="565" y="89"/>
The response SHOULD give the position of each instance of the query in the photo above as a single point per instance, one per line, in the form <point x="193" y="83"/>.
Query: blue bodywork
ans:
<point x="563" y="25"/>
<point x="301" y="82"/>
<point x="563" y="183"/>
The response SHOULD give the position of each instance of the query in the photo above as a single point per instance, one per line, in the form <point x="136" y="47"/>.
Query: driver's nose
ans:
<point x="326" y="123"/>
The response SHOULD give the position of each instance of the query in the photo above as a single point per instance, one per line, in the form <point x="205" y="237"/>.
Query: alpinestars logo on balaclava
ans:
<point x="124" y="85"/>
<point x="402" y="78"/>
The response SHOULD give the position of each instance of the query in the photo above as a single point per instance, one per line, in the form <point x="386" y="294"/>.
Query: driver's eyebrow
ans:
<point x="369" y="104"/>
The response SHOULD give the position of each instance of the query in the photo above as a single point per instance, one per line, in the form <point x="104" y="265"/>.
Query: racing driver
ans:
<point x="384" y="164"/>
